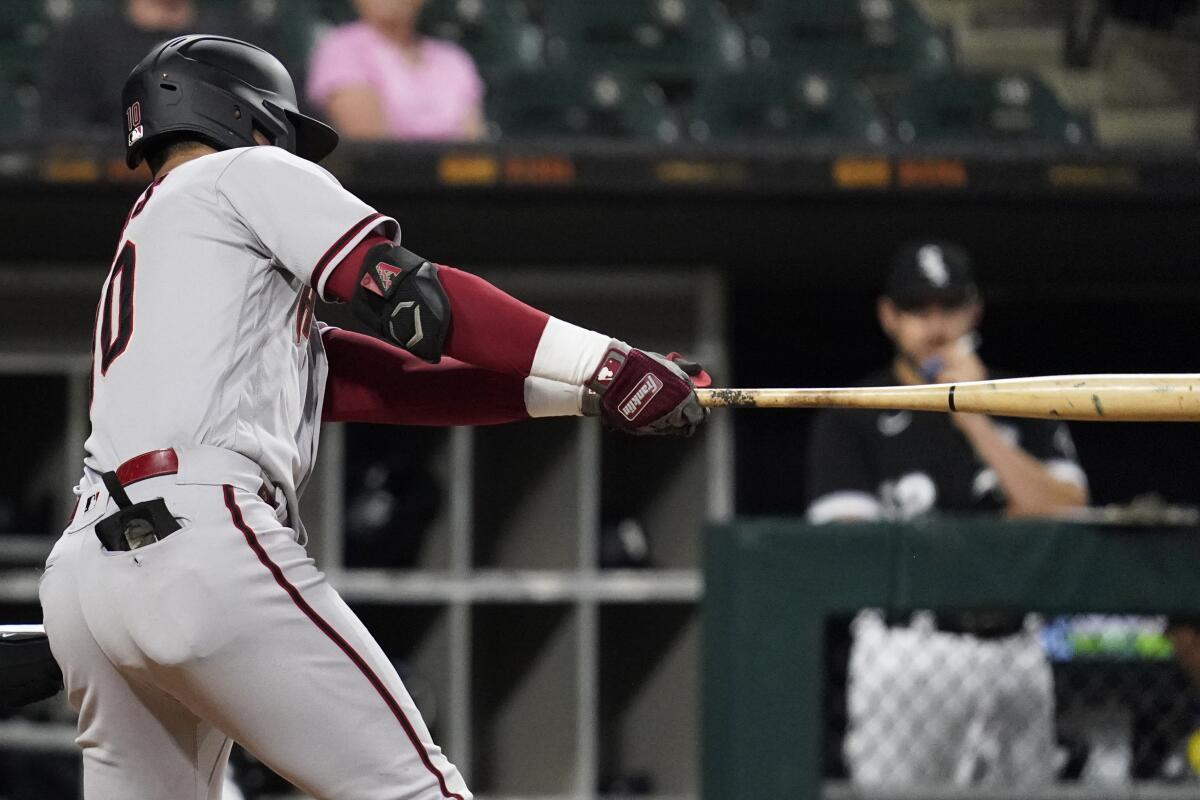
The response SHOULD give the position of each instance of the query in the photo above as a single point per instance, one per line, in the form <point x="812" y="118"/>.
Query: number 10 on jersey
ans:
<point x="115" y="323"/>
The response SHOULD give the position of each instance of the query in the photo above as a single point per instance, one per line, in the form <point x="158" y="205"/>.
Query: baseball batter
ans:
<point x="180" y="602"/>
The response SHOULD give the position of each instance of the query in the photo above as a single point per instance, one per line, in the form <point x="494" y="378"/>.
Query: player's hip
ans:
<point x="127" y="507"/>
<point x="185" y="596"/>
<point x="212" y="507"/>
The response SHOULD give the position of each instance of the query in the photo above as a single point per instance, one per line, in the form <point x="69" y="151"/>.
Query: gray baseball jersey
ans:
<point x="225" y="630"/>
<point x="223" y="257"/>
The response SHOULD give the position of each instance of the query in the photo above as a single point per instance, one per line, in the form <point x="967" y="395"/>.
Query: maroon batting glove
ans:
<point x="696" y="374"/>
<point x="646" y="394"/>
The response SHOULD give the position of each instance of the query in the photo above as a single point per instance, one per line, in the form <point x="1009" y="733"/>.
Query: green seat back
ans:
<point x="497" y="33"/>
<point x="285" y="27"/>
<point x="288" y="28"/>
<point x="336" y="11"/>
<point x="854" y="37"/>
<point x="21" y="12"/>
<point x="1008" y="106"/>
<point x="24" y="28"/>
<point x="567" y="103"/>
<point x="18" y="106"/>
<point x="786" y="104"/>
<point x="658" y="38"/>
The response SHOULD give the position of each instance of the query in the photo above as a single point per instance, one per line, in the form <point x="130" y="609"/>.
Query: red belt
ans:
<point x="148" y="465"/>
<point x="156" y="463"/>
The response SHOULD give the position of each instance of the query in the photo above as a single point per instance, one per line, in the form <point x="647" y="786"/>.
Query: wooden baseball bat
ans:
<point x="1108" y="398"/>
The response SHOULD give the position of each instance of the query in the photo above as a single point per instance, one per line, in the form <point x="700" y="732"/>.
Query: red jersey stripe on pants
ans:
<point x="236" y="514"/>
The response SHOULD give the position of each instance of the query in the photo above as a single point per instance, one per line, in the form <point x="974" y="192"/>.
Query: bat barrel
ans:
<point x="932" y="397"/>
<point x="1112" y="398"/>
<point x="1087" y="398"/>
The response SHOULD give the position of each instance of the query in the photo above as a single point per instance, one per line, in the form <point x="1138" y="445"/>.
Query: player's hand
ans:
<point x="645" y="393"/>
<point x="1185" y="641"/>
<point x="960" y="364"/>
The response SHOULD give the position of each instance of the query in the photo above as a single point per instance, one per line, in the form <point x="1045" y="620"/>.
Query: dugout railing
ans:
<point x="772" y="585"/>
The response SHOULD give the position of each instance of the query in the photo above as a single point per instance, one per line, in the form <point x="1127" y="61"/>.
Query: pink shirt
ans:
<point x="431" y="99"/>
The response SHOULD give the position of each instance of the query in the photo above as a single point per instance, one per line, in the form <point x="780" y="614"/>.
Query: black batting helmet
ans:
<point x="217" y="90"/>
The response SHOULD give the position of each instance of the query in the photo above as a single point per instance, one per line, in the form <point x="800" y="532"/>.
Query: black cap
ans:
<point x="931" y="272"/>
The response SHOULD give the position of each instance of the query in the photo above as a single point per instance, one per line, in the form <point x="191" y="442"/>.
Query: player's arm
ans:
<point x="357" y="113"/>
<point x="432" y="310"/>
<point x="1031" y="486"/>
<point x="371" y="381"/>
<point x="1034" y="483"/>
<point x="315" y="229"/>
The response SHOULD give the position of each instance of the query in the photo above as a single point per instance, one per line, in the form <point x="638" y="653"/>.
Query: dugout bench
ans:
<point x="772" y="584"/>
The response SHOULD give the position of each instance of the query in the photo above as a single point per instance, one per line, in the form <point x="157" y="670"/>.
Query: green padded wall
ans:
<point x="771" y="584"/>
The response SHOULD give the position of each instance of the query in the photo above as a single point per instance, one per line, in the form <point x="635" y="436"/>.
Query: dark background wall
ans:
<point x="1075" y="284"/>
<point x="1072" y="287"/>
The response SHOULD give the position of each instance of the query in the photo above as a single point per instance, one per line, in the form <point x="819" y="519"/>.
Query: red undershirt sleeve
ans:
<point x="372" y="381"/>
<point x="488" y="327"/>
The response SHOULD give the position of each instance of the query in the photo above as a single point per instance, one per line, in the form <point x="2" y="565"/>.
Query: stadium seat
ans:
<point x="1016" y="107"/>
<point x="285" y="27"/>
<point x="789" y="105"/>
<point x="18" y="108"/>
<point x="288" y="28"/>
<point x="498" y="35"/>
<point x="336" y="12"/>
<point x="855" y="37"/>
<point x="567" y="103"/>
<point x="666" y="40"/>
<point x="23" y="30"/>
<point x="24" y="27"/>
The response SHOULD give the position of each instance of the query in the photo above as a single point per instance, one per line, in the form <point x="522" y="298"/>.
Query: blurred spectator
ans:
<point x="380" y="78"/>
<point x="89" y="57"/>
<point x="951" y="699"/>
<point x="1185" y="641"/>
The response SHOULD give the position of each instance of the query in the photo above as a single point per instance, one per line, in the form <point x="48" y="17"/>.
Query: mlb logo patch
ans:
<point x="608" y="370"/>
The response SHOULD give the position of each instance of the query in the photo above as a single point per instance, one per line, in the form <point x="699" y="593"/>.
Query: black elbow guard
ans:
<point x="400" y="299"/>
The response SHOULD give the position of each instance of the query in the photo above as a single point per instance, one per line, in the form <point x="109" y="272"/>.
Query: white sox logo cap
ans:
<point x="929" y="272"/>
<point x="932" y="261"/>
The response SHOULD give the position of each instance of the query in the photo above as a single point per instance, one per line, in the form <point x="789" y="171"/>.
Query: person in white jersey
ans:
<point x="180" y="601"/>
